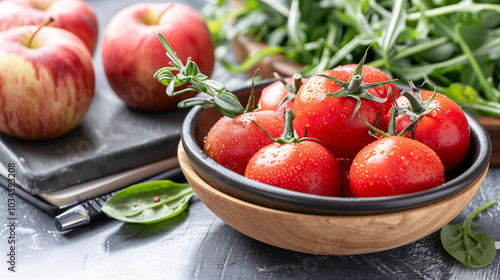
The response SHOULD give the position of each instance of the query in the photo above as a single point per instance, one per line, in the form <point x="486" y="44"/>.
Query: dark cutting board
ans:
<point x="111" y="138"/>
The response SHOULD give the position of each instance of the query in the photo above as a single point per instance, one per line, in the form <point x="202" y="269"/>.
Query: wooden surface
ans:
<point x="244" y="45"/>
<point x="492" y="125"/>
<point x="327" y="235"/>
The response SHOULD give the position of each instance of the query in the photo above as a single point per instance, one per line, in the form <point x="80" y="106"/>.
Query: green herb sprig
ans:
<point x="220" y="97"/>
<point x="472" y="249"/>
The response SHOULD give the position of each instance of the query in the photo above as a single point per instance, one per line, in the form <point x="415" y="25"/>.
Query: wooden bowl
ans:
<point x="324" y="234"/>
<point x="199" y="121"/>
<point x="318" y="224"/>
<point x="244" y="45"/>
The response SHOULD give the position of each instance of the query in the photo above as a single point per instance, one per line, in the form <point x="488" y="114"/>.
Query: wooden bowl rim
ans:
<point x="190" y="172"/>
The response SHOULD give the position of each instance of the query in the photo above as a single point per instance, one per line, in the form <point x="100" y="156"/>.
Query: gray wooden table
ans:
<point x="198" y="245"/>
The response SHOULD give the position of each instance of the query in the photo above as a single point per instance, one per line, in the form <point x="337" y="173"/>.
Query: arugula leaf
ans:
<point x="148" y="203"/>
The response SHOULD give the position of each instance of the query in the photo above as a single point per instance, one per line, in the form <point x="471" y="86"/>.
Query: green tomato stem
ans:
<point x="355" y="84"/>
<point x="288" y="135"/>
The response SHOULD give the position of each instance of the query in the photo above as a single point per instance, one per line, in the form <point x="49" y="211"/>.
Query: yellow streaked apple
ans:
<point x="76" y="16"/>
<point x="46" y="82"/>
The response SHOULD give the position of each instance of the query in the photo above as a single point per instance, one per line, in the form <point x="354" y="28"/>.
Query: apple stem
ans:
<point x="170" y="6"/>
<point x="45" y="23"/>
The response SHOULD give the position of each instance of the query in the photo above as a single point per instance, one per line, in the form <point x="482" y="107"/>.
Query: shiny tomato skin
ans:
<point x="232" y="142"/>
<point x="445" y="130"/>
<point x="327" y="118"/>
<point x="305" y="167"/>
<point x="372" y="75"/>
<point x="394" y="166"/>
<point x="273" y="94"/>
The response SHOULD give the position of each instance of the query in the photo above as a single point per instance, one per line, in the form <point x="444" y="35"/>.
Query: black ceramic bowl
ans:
<point x="199" y="121"/>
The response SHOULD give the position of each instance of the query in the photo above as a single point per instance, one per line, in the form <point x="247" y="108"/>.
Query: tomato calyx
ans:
<point x="219" y="96"/>
<point x="288" y="135"/>
<point x="291" y="88"/>
<point x="391" y="130"/>
<point x="356" y="89"/>
<point x="417" y="107"/>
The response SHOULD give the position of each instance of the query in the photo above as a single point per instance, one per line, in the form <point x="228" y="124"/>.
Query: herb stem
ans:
<point x="326" y="53"/>
<point x="475" y="66"/>
<point x="479" y="52"/>
<point x="481" y="209"/>
<point x="467" y="223"/>
<point x="278" y="7"/>
<point x="421" y="47"/>
<point x="461" y="7"/>
<point x="390" y="36"/>
<point x="381" y="10"/>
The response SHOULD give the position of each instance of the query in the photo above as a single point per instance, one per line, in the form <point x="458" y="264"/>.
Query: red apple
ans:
<point x="46" y="88"/>
<point x="132" y="52"/>
<point x="75" y="16"/>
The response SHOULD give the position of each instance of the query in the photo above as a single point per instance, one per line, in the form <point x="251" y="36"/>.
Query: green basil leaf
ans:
<point x="472" y="249"/>
<point x="137" y="203"/>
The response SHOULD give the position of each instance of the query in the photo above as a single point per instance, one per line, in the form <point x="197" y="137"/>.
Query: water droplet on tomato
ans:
<point x="415" y="156"/>
<point x="405" y="160"/>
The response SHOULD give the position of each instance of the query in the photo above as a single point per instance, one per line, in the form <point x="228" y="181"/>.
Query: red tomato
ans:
<point x="395" y="165"/>
<point x="306" y="167"/>
<point x="445" y="130"/>
<point x="232" y="142"/>
<point x="328" y="118"/>
<point x="372" y="75"/>
<point x="272" y="96"/>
